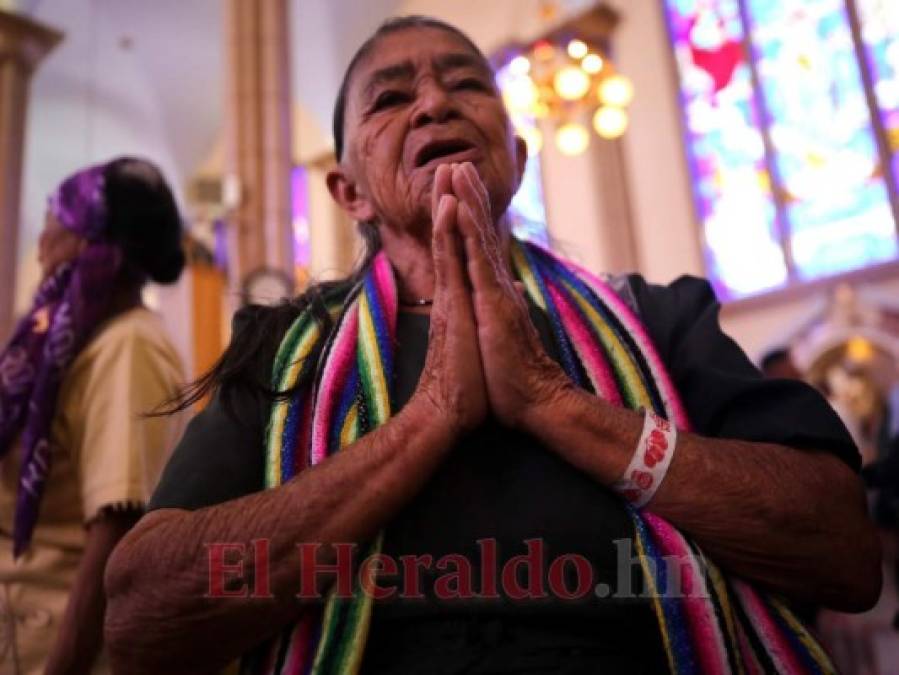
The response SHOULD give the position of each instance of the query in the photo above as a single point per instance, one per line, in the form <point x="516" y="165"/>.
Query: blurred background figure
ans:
<point x="78" y="458"/>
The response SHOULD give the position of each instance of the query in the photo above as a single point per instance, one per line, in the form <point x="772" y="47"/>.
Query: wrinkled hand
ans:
<point x="519" y="374"/>
<point x="452" y="381"/>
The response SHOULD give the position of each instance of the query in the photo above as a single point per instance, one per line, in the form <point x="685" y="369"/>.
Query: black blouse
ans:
<point x="503" y="486"/>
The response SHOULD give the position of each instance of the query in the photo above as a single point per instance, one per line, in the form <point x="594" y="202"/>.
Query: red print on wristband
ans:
<point x="656" y="445"/>
<point x="661" y="422"/>
<point x="643" y="479"/>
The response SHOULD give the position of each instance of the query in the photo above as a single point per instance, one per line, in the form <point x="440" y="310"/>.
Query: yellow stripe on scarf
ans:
<point x="281" y="408"/>
<point x="619" y="355"/>
<point x="368" y="340"/>
<point x="649" y="577"/>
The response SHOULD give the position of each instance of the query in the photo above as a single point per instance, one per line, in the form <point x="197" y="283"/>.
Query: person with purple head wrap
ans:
<point x="80" y="368"/>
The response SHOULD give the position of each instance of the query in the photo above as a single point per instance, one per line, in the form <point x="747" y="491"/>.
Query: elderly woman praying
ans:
<point x="472" y="455"/>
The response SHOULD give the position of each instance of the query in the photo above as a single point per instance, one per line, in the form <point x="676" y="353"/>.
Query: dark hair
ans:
<point x="144" y="220"/>
<point x="257" y="331"/>
<point x="246" y="363"/>
<point x="389" y="26"/>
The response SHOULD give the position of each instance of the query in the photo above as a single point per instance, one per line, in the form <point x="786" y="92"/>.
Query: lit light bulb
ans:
<point x="520" y="94"/>
<point x="572" y="139"/>
<point x="610" y="122"/>
<point x="571" y="83"/>
<point x="520" y="65"/>
<point x="533" y="138"/>
<point x="616" y="90"/>
<point x="859" y="349"/>
<point x="592" y="63"/>
<point x="577" y="49"/>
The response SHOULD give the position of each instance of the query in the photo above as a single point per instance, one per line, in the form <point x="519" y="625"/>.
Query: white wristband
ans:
<point x="650" y="462"/>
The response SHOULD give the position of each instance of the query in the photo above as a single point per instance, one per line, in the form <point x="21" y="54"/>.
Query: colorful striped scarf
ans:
<point x="716" y="624"/>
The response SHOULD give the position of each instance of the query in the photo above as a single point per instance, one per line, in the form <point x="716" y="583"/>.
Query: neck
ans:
<point x="413" y="263"/>
<point x="125" y="298"/>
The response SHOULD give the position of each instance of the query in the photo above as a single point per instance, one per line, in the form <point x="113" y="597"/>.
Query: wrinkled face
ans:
<point x="419" y="99"/>
<point x="56" y="245"/>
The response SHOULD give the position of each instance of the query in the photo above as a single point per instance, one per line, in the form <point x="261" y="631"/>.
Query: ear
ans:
<point x="345" y="191"/>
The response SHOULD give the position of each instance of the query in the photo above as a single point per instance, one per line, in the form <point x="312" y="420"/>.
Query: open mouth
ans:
<point x="447" y="150"/>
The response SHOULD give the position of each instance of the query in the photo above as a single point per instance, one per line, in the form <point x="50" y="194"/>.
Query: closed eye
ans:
<point x="389" y="99"/>
<point x="471" y="83"/>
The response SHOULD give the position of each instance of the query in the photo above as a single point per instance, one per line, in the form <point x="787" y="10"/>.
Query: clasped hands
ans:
<point x="484" y="353"/>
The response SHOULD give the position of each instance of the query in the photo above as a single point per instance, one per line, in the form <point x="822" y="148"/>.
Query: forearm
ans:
<point x="80" y="634"/>
<point x="81" y="630"/>
<point x="158" y="616"/>
<point x="793" y="521"/>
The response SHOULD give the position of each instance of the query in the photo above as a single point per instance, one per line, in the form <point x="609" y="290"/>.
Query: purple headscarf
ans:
<point x="67" y="307"/>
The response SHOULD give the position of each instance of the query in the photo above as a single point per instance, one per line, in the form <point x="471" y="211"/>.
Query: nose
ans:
<point x="434" y="105"/>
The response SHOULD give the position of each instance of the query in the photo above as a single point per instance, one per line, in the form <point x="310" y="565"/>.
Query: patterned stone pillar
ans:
<point x="23" y="43"/>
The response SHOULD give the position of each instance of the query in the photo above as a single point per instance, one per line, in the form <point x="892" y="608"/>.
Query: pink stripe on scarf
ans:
<point x="301" y="645"/>
<point x="338" y="363"/>
<point x="634" y="326"/>
<point x="706" y="637"/>
<point x="301" y="458"/>
<point x="587" y="346"/>
<point x="779" y="649"/>
<point x="385" y="282"/>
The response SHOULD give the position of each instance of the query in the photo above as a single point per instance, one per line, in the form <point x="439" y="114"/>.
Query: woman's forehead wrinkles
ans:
<point x="406" y="69"/>
<point x="459" y="60"/>
<point x="392" y="73"/>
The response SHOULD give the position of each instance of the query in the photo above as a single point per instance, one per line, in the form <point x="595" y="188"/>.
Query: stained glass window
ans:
<point x="788" y="168"/>
<point x="879" y="21"/>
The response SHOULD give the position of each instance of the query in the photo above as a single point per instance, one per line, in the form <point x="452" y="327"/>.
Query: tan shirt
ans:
<point x="104" y="455"/>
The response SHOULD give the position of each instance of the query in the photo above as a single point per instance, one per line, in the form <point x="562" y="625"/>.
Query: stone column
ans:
<point x="589" y="215"/>
<point x="23" y="43"/>
<point x="258" y="140"/>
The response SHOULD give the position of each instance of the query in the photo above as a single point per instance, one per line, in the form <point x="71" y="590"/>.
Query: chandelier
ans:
<point x="566" y="78"/>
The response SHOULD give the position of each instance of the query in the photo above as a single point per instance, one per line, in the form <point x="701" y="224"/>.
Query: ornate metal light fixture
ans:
<point x="566" y="77"/>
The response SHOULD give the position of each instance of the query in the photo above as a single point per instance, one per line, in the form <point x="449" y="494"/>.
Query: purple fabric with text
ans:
<point x="67" y="307"/>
